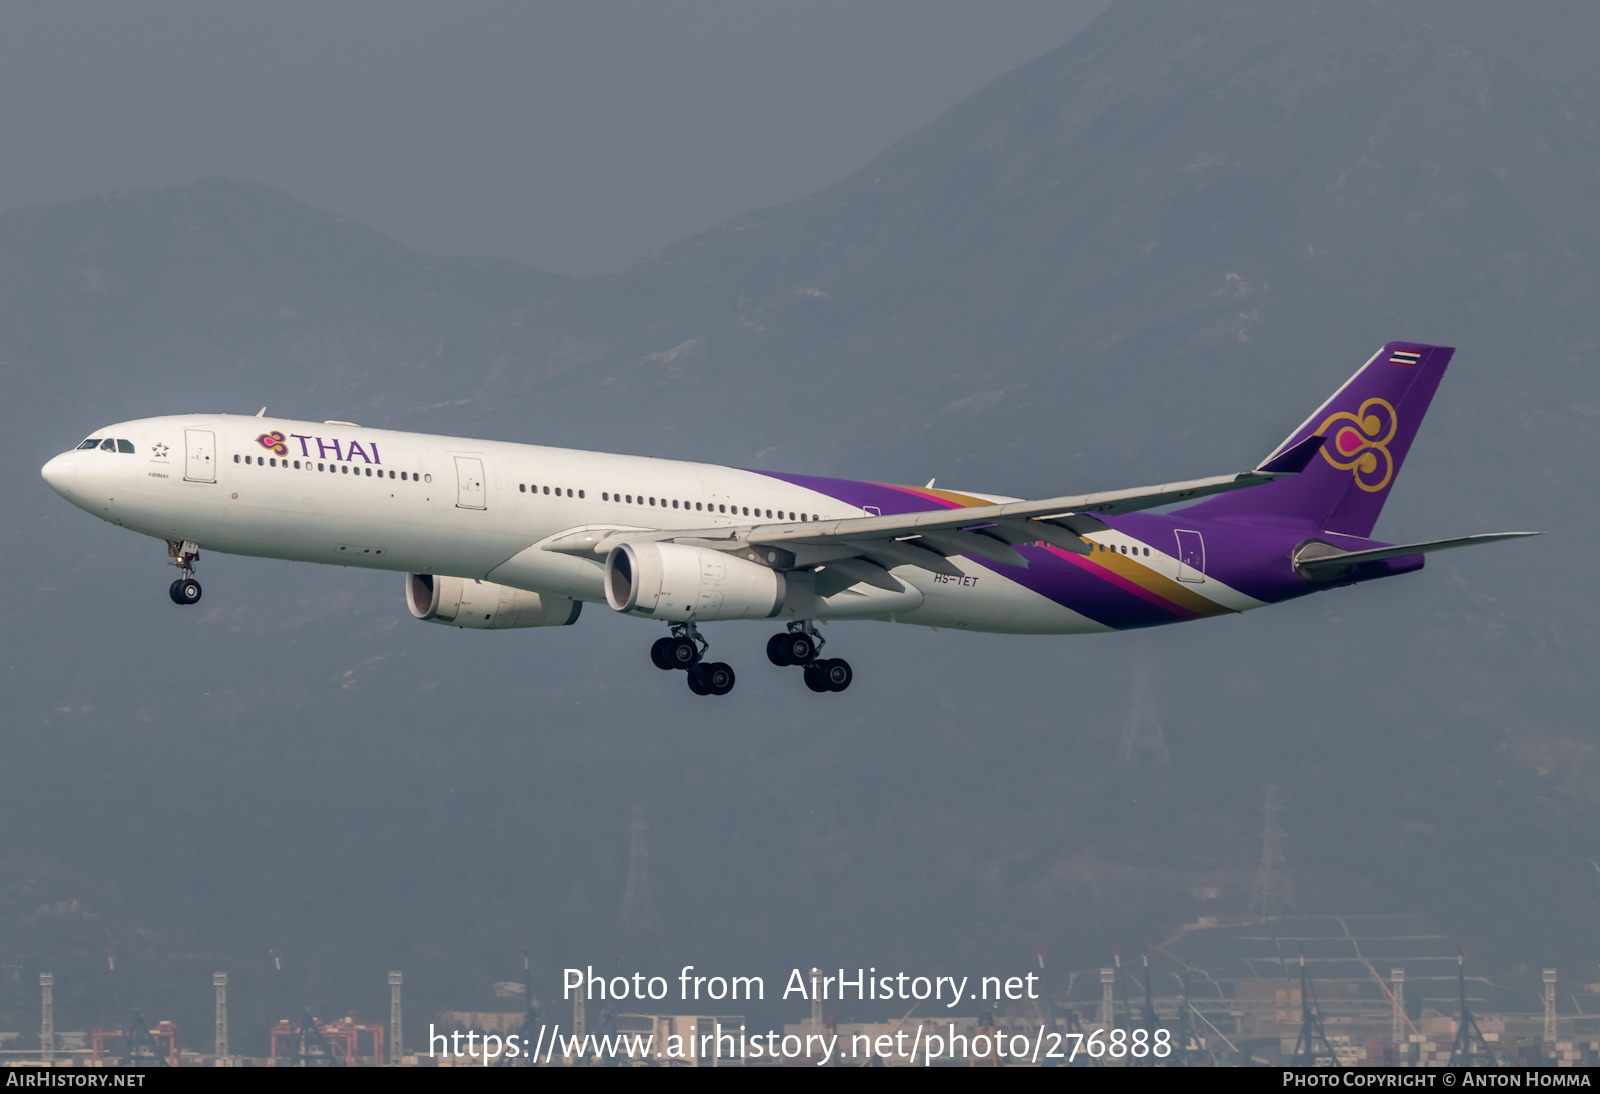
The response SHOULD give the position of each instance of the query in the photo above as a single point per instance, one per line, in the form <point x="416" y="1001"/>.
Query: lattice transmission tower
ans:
<point x="1273" y="892"/>
<point x="1142" y="737"/>
<point x="641" y="927"/>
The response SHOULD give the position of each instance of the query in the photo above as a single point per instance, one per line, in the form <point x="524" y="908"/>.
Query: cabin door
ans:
<point x="1191" y="557"/>
<point x="200" y="445"/>
<point x="470" y="493"/>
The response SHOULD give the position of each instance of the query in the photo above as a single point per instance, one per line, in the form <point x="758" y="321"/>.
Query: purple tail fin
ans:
<point x="1369" y="424"/>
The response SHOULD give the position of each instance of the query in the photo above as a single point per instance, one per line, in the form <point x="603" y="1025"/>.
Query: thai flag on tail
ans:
<point x="1405" y="357"/>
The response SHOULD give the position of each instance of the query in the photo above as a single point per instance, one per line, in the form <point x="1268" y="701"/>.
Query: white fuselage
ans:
<point x="345" y="495"/>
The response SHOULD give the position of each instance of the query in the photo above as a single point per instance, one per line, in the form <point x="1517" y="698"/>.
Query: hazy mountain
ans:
<point x="1148" y="254"/>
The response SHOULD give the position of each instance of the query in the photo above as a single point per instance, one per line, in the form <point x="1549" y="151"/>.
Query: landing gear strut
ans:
<point x="799" y="645"/>
<point x="685" y="649"/>
<point x="185" y="590"/>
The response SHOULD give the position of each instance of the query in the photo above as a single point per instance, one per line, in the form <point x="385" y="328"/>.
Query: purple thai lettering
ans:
<point x="322" y="449"/>
<point x="355" y="450"/>
<point x="374" y="445"/>
<point x="302" y="438"/>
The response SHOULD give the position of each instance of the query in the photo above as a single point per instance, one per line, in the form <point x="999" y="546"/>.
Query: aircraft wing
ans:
<point x="864" y="549"/>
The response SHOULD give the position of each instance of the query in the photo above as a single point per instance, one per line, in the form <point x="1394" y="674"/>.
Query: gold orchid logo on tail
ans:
<point x="1362" y="447"/>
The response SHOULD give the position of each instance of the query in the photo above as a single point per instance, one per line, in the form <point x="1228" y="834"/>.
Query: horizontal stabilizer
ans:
<point x="1326" y="566"/>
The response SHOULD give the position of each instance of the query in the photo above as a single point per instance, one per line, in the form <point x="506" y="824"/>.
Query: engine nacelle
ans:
<point x="483" y="605"/>
<point x="677" y="583"/>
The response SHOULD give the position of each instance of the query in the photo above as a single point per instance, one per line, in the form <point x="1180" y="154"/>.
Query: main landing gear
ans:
<point x="799" y="645"/>
<point x="685" y="649"/>
<point x="185" y="590"/>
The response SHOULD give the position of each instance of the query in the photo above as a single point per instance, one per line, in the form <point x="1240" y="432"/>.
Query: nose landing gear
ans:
<point x="799" y="645"/>
<point x="685" y="649"/>
<point x="185" y="590"/>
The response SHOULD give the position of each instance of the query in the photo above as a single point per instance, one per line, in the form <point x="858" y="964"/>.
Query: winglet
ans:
<point x="1294" y="461"/>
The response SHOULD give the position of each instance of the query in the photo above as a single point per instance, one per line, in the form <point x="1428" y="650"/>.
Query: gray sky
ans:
<point x="579" y="137"/>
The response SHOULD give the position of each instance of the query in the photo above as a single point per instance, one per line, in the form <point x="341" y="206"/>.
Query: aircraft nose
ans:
<point x="62" y="473"/>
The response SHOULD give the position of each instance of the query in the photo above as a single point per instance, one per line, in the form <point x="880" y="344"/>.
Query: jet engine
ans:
<point x="677" y="583"/>
<point x="483" y="605"/>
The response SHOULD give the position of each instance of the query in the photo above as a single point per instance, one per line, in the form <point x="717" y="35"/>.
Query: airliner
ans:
<point x="492" y="535"/>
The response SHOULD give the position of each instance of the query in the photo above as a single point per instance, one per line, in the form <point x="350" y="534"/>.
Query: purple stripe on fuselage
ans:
<point x="1090" y="590"/>
<point x="1087" y="562"/>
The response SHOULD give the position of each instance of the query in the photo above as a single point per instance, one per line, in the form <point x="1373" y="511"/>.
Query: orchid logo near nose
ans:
<point x="274" y="442"/>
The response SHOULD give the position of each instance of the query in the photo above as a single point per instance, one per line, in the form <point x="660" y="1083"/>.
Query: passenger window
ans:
<point x="522" y="488"/>
<point x="236" y="457"/>
<point x="674" y="503"/>
<point x="652" y="501"/>
<point x="344" y="469"/>
<point x="747" y="510"/>
<point x="696" y="507"/>
<point x="580" y="493"/>
<point x="722" y="508"/>
<point x="425" y="478"/>
<point x="92" y="442"/>
<point x="124" y="446"/>
<point x="547" y="490"/>
<point x="273" y="461"/>
<point x="297" y="465"/>
<point x="108" y="445"/>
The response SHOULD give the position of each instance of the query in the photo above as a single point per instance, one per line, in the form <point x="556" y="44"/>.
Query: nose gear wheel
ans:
<point x="182" y="553"/>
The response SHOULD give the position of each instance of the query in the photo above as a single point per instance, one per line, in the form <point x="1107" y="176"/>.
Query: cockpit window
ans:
<point x="108" y="445"/>
<point x="92" y="442"/>
<point x="124" y="446"/>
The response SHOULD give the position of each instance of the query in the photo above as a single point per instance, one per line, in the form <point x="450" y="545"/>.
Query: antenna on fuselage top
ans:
<point x="262" y="413"/>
